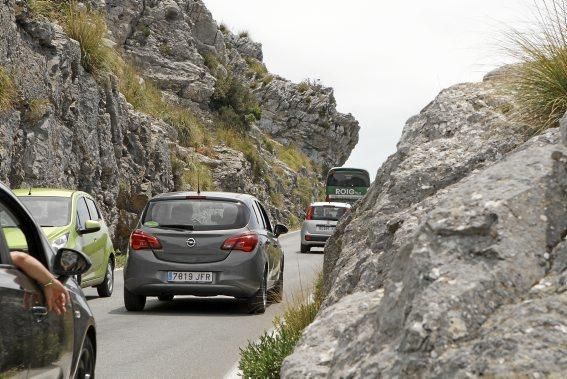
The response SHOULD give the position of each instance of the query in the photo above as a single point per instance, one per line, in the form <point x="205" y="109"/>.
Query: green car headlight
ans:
<point x="60" y="242"/>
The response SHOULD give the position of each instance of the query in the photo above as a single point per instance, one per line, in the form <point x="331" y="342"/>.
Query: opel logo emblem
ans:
<point x="191" y="242"/>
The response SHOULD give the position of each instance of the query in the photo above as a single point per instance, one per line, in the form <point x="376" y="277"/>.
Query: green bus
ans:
<point x="346" y="185"/>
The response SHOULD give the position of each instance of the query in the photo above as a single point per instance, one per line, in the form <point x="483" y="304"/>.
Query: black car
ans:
<point x="205" y="244"/>
<point x="33" y="341"/>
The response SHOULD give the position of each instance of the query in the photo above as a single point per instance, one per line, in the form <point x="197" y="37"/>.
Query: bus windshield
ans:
<point x="347" y="184"/>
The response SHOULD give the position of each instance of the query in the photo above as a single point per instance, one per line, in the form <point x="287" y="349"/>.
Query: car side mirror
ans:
<point x="91" y="226"/>
<point x="69" y="262"/>
<point x="280" y="229"/>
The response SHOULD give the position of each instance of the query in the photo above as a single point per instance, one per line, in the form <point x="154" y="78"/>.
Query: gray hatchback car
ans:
<point x="320" y="223"/>
<point x="206" y="244"/>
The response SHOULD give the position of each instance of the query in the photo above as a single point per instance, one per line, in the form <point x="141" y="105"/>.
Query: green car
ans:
<point x="71" y="219"/>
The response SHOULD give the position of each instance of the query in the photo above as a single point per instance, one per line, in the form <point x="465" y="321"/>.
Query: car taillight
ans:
<point x="140" y="240"/>
<point x="309" y="215"/>
<point x="244" y="242"/>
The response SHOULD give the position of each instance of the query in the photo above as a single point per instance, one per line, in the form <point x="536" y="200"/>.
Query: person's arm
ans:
<point x="55" y="293"/>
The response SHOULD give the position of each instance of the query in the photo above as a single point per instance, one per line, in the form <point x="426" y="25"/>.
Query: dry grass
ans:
<point x="36" y="110"/>
<point x="8" y="91"/>
<point x="199" y="175"/>
<point x="293" y="157"/>
<point x="256" y="68"/>
<point x="539" y="82"/>
<point x="146" y="97"/>
<point x="88" y="27"/>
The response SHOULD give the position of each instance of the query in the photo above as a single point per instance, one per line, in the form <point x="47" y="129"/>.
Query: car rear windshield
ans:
<point x="196" y="214"/>
<point x="49" y="210"/>
<point x="348" y="179"/>
<point x="328" y="212"/>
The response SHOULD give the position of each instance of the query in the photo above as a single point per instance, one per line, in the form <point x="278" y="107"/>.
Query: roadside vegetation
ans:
<point x="539" y="81"/>
<point x="263" y="359"/>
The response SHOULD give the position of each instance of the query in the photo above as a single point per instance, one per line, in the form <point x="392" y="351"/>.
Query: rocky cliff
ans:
<point x="454" y="264"/>
<point x="147" y="96"/>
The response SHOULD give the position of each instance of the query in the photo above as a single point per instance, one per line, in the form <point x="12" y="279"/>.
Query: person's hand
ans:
<point x="56" y="296"/>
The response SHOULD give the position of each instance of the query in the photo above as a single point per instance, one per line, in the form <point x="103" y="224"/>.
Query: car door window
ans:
<point x="265" y="217"/>
<point x="93" y="210"/>
<point x="11" y="230"/>
<point x="82" y="213"/>
<point x="259" y="216"/>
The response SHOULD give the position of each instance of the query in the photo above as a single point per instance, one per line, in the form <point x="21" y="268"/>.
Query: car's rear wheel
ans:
<point x="259" y="302"/>
<point x="86" y="367"/>
<point x="133" y="302"/>
<point x="107" y="286"/>
<point x="165" y="297"/>
<point x="276" y="293"/>
<point x="305" y="248"/>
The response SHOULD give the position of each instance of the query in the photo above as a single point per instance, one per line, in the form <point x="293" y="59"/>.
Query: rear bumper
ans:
<point x="239" y="275"/>
<point x="314" y="239"/>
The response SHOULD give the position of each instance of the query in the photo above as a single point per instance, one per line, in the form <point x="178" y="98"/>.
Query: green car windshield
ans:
<point x="48" y="211"/>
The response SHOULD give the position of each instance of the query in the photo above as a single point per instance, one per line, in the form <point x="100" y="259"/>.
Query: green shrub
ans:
<point x="211" y="61"/>
<point x="237" y="106"/>
<point x="8" y="91"/>
<point x="539" y="82"/>
<point x="303" y="86"/>
<point x="267" y="80"/>
<point x="256" y="68"/>
<point x="263" y="359"/>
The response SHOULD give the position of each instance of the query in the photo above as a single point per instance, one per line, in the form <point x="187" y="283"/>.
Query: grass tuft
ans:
<point x="88" y="27"/>
<point x="293" y="157"/>
<point x="199" y="174"/>
<point x="244" y="34"/>
<point x="8" y="91"/>
<point x="36" y="110"/>
<point x="256" y="68"/>
<point x="539" y="82"/>
<point x="263" y="359"/>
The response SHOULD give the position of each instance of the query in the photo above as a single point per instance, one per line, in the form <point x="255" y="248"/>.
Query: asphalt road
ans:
<point x="189" y="337"/>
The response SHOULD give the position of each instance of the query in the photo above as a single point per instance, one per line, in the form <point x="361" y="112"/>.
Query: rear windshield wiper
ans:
<point x="177" y="226"/>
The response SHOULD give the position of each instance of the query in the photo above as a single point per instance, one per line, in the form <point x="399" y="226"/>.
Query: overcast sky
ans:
<point x="386" y="60"/>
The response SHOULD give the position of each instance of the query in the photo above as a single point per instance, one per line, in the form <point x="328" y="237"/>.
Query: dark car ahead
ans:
<point x="205" y="244"/>
<point x="33" y="341"/>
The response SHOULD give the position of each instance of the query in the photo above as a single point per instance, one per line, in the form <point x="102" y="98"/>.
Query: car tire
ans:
<point x="259" y="301"/>
<point x="304" y="248"/>
<point x="87" y="361"/>
<point x="133" y="302"/>
<point x="107" y="286"/>
<point x="165" y="297"/>
<point x="276" y="293"/>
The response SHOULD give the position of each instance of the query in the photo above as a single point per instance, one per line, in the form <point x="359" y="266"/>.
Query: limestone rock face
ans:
<point x="172" y="40"/>
<point x="70" y="129"/>
<point x="454" y="264"/>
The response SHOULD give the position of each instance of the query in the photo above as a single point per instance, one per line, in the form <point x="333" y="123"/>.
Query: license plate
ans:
<point x="189" y="277"/>
<point x="325" y="228"/>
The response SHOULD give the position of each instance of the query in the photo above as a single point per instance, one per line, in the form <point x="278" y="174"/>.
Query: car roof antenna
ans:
<point x="198" y="181"/>
<point x="29" y="193"/>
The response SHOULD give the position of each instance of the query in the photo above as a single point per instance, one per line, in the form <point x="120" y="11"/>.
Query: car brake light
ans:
<point x="309" y="215"/>
<point x="244" y="242"/>
<point x="140" y="240"/>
